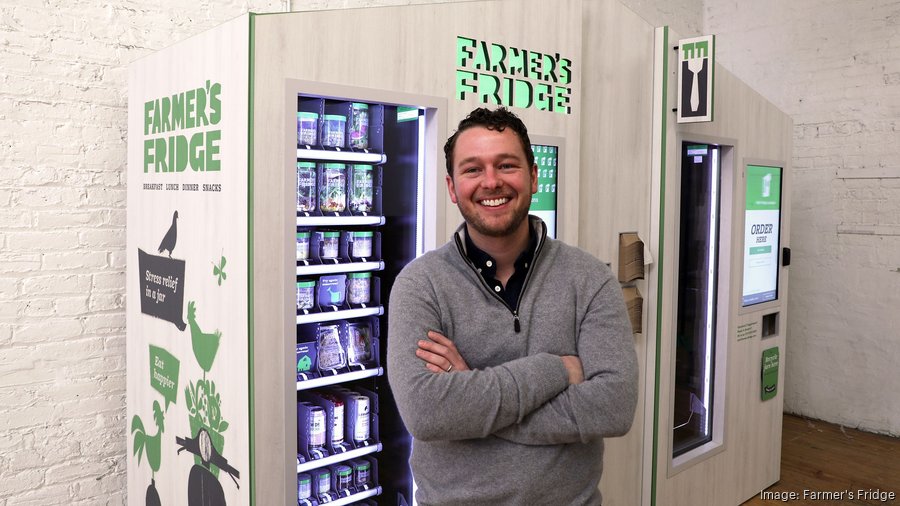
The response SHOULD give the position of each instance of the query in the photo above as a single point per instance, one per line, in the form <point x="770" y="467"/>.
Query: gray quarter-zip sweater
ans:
<point x="512" y="431"/>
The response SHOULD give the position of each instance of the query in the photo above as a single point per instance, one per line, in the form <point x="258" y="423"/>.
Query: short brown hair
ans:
<point x="498" y="119"/>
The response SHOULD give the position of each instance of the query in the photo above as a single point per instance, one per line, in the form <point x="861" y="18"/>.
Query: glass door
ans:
<point x="695" y="338"/>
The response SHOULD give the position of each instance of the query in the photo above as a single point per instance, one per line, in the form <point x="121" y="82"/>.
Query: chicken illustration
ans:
<point x="168" y="242"/>
<point x="205" y="345"/>
<point x="146" y="443"/>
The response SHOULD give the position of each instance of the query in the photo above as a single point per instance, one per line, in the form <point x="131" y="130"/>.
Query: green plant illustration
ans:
<point x="205" y="345"/>
<point x="219" y="271"/>
<point x="145" y="443"/>
<point x="205" y="411"/>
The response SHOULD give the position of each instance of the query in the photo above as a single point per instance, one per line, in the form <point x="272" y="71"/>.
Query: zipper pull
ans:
<point x="516" y="326"/>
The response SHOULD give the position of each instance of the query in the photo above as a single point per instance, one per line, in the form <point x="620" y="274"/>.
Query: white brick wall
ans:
<point x="63" y="89"/>
<point x="834" y="66"/>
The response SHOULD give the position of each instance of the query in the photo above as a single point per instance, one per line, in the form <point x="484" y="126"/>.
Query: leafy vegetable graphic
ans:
<point x="219" y="270"/>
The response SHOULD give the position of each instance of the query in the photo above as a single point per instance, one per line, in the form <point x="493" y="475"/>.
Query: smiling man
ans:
<point x="510" y="354"/>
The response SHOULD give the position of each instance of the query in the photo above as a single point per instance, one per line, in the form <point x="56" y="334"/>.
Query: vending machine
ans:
<point x="282" y="170"/>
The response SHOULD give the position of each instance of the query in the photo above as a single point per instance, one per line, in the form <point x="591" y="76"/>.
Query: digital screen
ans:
<point x="762" y="221"/>
<point x="543" y="203"/>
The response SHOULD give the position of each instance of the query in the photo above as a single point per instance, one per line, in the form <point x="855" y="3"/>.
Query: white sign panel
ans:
<point x="696" y="62"/>
<point x="187" y="280"/>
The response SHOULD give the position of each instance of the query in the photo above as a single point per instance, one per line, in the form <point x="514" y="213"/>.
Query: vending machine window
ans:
<point x="695" y="339"/>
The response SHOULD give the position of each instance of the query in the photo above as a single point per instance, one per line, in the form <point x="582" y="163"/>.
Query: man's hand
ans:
<point x="441" y="355"/>
<point x="573" y="367"/>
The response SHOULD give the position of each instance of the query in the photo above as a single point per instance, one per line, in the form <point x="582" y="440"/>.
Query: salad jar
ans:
<point x="359" y="125"/>
<point x="307" y="128"/>
<point x="334" y="130"/>
<point x="361" y="177"/>
<point x="306" y="187"/>
<point x="303" y="245"/>
<point x="333" y="188"/>
<point x="305" y="294"/>
<point x="362" y="244"/>
<point x="359" y="289"/>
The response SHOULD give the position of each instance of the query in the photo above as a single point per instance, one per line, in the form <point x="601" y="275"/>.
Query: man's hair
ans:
<point x="499" y="119"/>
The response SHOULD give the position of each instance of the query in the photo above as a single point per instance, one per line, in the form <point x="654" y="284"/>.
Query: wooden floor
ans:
<point x="835" y="464"/>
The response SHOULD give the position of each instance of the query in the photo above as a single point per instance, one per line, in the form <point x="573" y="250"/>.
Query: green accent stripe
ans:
<point x="250" y="320"/>
<point x="659" y="263"/>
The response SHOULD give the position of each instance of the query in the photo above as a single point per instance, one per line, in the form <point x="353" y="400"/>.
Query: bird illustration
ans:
<point x="168" y="242"/>
<point x="205" y="345"/>
<point x="146" y="443"/>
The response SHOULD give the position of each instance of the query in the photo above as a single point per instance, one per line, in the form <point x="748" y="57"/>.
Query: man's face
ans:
<point x="492" y="183"/>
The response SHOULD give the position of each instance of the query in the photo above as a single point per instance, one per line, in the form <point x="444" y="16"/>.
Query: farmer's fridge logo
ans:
<point x="513" y="77"/>
<point x="180" y="133"/>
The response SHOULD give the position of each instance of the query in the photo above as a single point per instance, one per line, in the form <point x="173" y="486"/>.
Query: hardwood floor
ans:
<point x="825" y="464"/>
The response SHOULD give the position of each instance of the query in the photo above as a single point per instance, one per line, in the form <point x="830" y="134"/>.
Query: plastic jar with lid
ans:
<point x="362" y="473"/>
<point x="305" y="294"/>
<point x="307" y="128"/>
<point x="333" y="188"/>
<point x="331" y="245"/>
<point x="304" y="486"/>
<point x="316" y="428"/>
<point x="344" y="475"/>
<point x="359" y="125"/>
<point x="306" y="187"/>
<point x="362" y="244"/>
<point x="303" y="245"/>
<point x="323" y="481"/>
<point x="361" y="194"/>
<point x="333" y="130"/>
<point x="359" y="290"/>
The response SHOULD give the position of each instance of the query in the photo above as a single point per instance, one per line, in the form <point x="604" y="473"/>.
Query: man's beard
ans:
<point x="473" y="219"/>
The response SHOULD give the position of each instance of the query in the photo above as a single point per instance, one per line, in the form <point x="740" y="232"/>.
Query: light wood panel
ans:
<point x="747" y="460"/>
<point x="616" y="132"/>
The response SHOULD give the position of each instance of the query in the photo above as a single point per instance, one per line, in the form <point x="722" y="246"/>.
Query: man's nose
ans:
<point x="491" y="178"/>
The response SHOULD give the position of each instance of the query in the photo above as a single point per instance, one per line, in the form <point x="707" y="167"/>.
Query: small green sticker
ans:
<point x="770" y="358"/>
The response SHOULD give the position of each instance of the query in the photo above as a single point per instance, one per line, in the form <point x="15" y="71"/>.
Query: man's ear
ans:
<point x="451" y="189"/>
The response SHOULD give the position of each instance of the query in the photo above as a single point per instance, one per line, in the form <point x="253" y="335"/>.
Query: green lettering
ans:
<point x="524" y="94"/>
<point x="498" y="57"/>
<point x="215" y="104"/>
<point x="481" y="57"/>
<point x="189" y="113"/>
<point x="561" y="100"/>
<point x="159" y="160"/>
<point x="543" y="97"/>
<point x="196" y="152"/>
<point x="202" y="120"/>
<point x="565" y="71"/>
<point x="465" y="83"/>
<point x="166" y="115"/>
<point x="181" y="153"/>
<point x="148" y="119"/>
<point x="156" y="127"/>
<point x="212" y="150"/>
<point x="148" y="154"/>
<point x="464" y="46"/>
<point x="178" y="111"/>
<point x="489" y="89"/>
<point x="534" y="65"/>
<point x="550" y="67"/>
<point x="517" y="62"/>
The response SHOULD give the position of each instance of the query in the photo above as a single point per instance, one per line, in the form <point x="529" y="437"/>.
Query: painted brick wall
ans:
<point x="63" y="89"/>
<point x="834" y="66"/>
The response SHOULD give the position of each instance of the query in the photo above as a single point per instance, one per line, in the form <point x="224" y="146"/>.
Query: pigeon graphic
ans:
<point x="168" y="242"/>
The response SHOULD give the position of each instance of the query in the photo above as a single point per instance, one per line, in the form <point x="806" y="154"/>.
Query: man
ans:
<point x="510" y="354"/>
